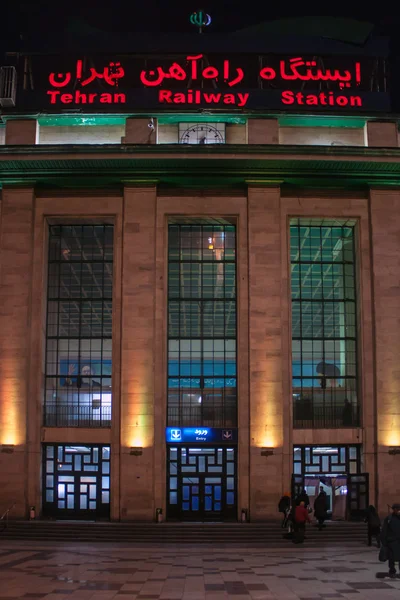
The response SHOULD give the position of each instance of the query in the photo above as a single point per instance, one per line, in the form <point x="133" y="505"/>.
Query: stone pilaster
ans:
<point x="15" y="293"/>
<point x="263" y="131"/>
<point x="22" y="132"/>
<point x="137" y="353"/>
<point x="265" y="335"/>
<point x="140" y="131"/>
<point x="382" y="134"/>
<point x="385" y="226"/>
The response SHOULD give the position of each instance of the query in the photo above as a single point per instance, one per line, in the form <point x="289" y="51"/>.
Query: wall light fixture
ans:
<point x="136" y="451"/>
<point x="394" y="450"/>
<point x="7" y="448"/>
<point x="267" y="451"/>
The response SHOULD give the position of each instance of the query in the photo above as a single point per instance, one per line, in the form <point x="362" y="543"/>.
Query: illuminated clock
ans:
<point x="201" y="133"/>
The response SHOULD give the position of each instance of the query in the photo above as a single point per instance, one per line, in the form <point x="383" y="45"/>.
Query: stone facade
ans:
<point x="140" y="215"/>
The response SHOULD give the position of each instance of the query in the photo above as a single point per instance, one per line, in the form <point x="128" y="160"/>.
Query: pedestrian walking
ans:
<point x="284" y="507"/>
<point x="374" y="525"/>
<point x="301" y="517"/>
<point x="303" y="497"/>
<point x="390" y="540"/>
<point x="321" y="508"/>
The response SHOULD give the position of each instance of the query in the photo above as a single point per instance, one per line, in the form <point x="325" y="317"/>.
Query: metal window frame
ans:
<point x="74" y="414"/>
<point x="331" y="421"/>
<point x="218" y="420"/>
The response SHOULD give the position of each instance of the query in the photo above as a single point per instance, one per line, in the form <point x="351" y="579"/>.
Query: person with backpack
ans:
<point x="374" y="525"/>
<point x="284" y="507"/>
<point x="390" y="540"/>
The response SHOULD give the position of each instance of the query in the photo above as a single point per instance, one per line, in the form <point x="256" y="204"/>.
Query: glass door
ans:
<point x="201" y="483"/>
<point x="357" y="495"/>
<point x="76" y="482"/>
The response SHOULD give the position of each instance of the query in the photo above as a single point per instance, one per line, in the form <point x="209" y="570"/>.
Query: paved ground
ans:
<point x="120" y="572"/>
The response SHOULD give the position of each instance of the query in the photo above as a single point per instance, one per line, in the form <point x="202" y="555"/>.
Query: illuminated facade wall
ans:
<point x="364" y="256"/>
<point x="16" y="216"/>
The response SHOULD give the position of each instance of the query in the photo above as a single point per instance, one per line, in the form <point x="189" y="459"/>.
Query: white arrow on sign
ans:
<point x="176" y="434"/>
<point x="227" y="434"/>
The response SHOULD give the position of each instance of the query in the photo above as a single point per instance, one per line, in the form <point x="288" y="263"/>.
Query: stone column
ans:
<point x="15" y="290"/>
<point x="265" y="335"/>
<point x="137" y="353"/>
<point x="263" y="131"/>
<point x="382" y="134"/>
<point x="385" y="225"/>
<point x="140" y="131"/>
<point x="22" y="132"/>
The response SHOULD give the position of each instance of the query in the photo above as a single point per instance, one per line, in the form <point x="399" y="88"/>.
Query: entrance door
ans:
<point x="202" y="483"/>
<point x="76" y="482"/>
<point x="357" y="495"/>
<point x="297" y="486"/>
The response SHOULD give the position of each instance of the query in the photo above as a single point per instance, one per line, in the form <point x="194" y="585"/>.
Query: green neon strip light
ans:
<point x="81" y="120"/>
<point x="101" y="120"/>
<point x="320" y="121"/>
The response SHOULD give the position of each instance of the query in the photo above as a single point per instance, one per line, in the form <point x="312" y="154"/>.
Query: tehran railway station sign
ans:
<point x="199" y="81"/>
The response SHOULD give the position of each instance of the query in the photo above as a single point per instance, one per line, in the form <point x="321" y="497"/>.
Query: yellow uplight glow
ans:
<point x="269" y="441"/>
<point x="11" y="414"/>
<point x="271" y="434"/>
<point x="392" y="438"/>
<point x="140" y="432"/>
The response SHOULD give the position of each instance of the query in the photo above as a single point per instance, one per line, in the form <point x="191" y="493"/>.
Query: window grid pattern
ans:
<point x="76" y="480"/>
<point x="324" y="329"/>
<point x="332" y="460"/>
<point x="202" y="325"/>
<point x="79" y="326"/>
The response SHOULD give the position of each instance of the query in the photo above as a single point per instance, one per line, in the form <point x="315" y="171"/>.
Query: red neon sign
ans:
<point x="292" y="69"/>
<point x="240" y="100"/>
<point x="295" y="72"/>
<point x="111" y="74"/>
<point x="196" y="70"/>
<point x="175" y="71"/>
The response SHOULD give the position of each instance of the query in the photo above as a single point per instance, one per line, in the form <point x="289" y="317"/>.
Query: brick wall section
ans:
<point x="385" y="224"/>
<point x="137" y="353"/>
<point x="265" y="350"/>
<point x="15" y="290"/>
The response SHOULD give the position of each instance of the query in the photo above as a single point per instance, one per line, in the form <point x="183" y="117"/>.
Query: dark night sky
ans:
<point x="32" y="20"/>
<point x="162" y="15"/>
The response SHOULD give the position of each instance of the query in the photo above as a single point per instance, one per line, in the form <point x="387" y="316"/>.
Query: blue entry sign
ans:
<point x="182" y="435"/>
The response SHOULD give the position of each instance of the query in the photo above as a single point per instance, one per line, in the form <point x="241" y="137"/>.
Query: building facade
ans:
<point x="200" y="299"/>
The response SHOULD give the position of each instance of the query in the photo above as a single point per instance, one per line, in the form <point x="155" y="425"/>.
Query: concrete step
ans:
<point x="225" y="533"/>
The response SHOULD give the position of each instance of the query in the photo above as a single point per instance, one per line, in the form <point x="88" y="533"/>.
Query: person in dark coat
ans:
<point x="303" y="497"/>
<point x="390" y="538"/>
<point x="321" y="507"/>
<point x="284" y="507"/>
<point x="374" y="525"/>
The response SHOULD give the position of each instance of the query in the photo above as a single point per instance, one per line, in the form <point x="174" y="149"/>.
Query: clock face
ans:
<point x="202" y="133"/>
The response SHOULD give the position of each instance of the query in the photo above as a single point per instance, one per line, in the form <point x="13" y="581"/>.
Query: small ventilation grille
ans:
<point x="8" y="86"/>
